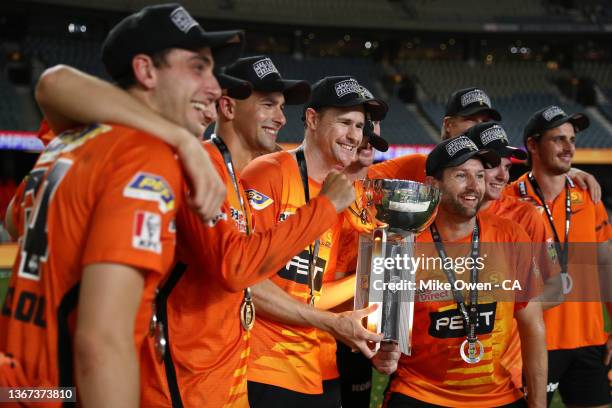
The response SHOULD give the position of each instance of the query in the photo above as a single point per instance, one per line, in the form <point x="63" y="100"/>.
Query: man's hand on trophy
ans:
<point x="339" y="190"/>
<point x="348" y="329"/>
<point x="386" y="359"/>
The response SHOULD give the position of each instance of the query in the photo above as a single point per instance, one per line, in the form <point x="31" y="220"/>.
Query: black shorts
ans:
<point x="270" y="396"/>
<point x="397" y="400"/>
<point x="580" y="375"/>
<point x="355" y="377"/>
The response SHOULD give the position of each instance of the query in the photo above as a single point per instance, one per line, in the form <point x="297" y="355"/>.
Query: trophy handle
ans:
<point x="379" y="246"/>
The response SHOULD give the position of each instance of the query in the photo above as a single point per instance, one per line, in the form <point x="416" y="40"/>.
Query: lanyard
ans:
<point x="563" y="250"/>
<point x="470" y="318"/>
<point x="247" y="309"/>
<point x="313" y="252"/>
<point x="227" y="158"/>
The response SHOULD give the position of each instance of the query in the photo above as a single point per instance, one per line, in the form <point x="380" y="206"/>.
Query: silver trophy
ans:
<point x="400" y="210"/>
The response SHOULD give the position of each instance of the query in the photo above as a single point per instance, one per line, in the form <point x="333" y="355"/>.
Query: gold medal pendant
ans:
<point x="247" y="310"/>
<point x="247" y="314"/>
<point x="160" y="342"/>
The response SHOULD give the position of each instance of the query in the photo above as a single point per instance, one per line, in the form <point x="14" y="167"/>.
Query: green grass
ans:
<point x="3" y="285"/>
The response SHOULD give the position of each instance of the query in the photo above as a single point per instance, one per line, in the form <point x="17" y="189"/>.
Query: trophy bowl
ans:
<point x="403" y="204"/>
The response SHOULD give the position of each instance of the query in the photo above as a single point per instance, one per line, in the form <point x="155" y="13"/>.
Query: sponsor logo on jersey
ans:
<point x="425" y="295"/>
<point x="239" y="219"/>
<point x="147" y="231"/>
<point x="449" y="323"/>
<point x="296" y="270"/>
<point x="576" y="197"/>
<point x="284" y="215"/>
<point x="222" y="216"/>
<point x="151" y="187"/>
<point x="258" y="200"/>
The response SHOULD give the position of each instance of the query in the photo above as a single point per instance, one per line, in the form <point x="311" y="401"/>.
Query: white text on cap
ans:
<point x="182" y="19"/>
<point x="552" y="112"/>
<point x="475" y="96"/>
<point x="459" y="143"/>
<point x="495" y="132"/>
<point x="346" y="87"/>
<point x="264" y="67"/>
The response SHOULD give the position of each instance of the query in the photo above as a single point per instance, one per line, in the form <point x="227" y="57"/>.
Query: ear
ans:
<point x="227" y="107"/>
<point x="532" y="145"/>
<point x="431" y="181"/>
<point x="311" y="118"/>
<point x="446" y="124"/>
<point x="144" y="71"/>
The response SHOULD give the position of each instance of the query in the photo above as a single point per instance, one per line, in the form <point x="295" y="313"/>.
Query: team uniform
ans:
<point x="283" y="356"/>
<point x="575" y="330"/>
<point x="408" y="167"/>
<point x="435" y="373"/>
<point x="546" y="260"/>
<point x="208" y="346"/>
<point x="94" y="196"/>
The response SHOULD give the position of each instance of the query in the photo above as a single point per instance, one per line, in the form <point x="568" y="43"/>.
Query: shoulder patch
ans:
<point x="147" y="231"/>
<point x="258" y="200"/>
<point x="151" y="187"/>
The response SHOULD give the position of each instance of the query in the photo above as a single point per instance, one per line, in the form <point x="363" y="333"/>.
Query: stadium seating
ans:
<point x="9" y="113"/>
<point x="517" y="88"/>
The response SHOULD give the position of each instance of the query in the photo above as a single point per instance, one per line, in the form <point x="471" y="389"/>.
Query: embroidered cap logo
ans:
<point x="347" y="86"/>
<point x="460" y="143"/>
<point x="264" y="67"/>
<point x="182" y="19"/>
<point x="493" y="133"/>
<point x="475" y="96"/>
<point x="552" y="112"/>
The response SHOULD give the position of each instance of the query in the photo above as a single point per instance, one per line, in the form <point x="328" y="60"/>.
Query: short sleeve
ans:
<point x="133" y="221"/>
<point x="602" y="224"/>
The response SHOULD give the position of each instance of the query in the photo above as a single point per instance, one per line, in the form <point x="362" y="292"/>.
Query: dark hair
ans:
<point x="159" y="60"/>
<point x="438" y="174"/>
<point x="536" y="137"/>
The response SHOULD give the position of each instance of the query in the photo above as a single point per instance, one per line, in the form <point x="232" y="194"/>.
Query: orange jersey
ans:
<point x="408" y="167"/>
<point x="282" y="355"/>
<point x="573" y="324"/>
<point x="355" y="222"/>
<point x="45" y="134"/>
<point x="208" y="344"/>
<point x="435" y="372"/>
<point x="530" y="220"/>
<point x="94" y="196"/>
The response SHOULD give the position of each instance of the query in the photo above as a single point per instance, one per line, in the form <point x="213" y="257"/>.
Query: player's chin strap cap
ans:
<point x="161" y="27"/>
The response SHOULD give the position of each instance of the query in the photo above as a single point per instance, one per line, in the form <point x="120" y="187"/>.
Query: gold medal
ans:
<point x="160" y="342"/>
<point x="153" y="321"/>
<point x="247" y="311"/>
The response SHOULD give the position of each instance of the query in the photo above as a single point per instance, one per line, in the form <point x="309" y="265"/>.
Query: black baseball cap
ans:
<point x="550" y="118"/>
<point x="492" y="136"/>
<point x="345" y="91"/>
<point x="235" y="87"/>
<point x="470" y="101"/>
<point x="263" y="76"/>
<point x="160" y="27"/>
<point x="456" y="151"/>
<point x="374" y="139"/>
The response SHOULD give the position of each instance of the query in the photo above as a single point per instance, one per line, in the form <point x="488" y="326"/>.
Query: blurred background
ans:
<point x="526" y="54"/>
